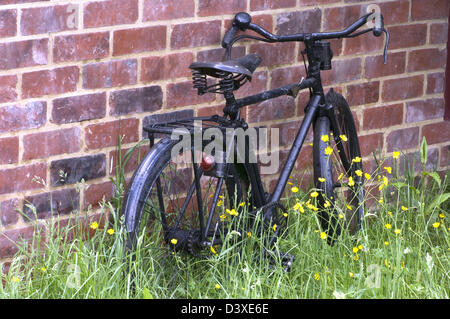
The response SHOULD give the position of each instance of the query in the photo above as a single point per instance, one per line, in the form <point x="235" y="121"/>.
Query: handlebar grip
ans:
<point x="379" y="26"/>
<point x="241" y="21"/>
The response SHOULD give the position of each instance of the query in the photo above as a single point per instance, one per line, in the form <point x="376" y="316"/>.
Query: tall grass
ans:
<point x="402" y="252"/>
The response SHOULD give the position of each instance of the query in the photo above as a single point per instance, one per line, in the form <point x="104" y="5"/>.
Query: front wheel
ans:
<point x="338" y="171"/>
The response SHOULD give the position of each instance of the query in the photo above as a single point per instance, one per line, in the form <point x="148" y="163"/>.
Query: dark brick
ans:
<point x="79" y="108"/>
<point x="195" y="34"/>
<point x="146" y="99"/>
<point x="46" y="205"/>
<point x="299" y="21"/>
<point x="110" y="12"/>
<point x="9" y="214"/>
<point x="109" y="74"/>
<point x="77" y="168"/>
<point x="402" y="139"/>
<point x="220" y="7"/>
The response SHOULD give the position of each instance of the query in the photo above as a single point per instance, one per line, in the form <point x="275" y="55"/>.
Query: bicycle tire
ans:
<point x="329" y="171"/>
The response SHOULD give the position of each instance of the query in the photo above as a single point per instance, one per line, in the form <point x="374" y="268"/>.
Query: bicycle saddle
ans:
<point x="245" y="65"/>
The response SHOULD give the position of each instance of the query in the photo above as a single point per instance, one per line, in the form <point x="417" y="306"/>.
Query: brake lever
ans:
<point x="386" y="43"/>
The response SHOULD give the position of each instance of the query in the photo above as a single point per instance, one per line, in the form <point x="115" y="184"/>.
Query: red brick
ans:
<point x="403" y="139"/>
<point x="283" y="76"/>
<point x="287" y="130"/>
<point x="363" y="93"/>
<point x="438" y="33"/>
<point x="424" y="110"/>
<point x="49" y="19"/>
<point x="258" y="84"/>
<point x="275" y="54"/>
<point x="139" y="40"/>
<point x="374" y="66"/>
<point x="426" y="59"/>
<point x="383" y="116"/>
<point x="168" y="9"/>
<point x="45" y="144"/>
<point x="370" y="143"/>
<point x="165" y="67"/>
<point x="8" y="91"/>
<point x="403" y="88"/>
<point x="96" y="193"/>
<point x="430" y="9"/>
<point x="316" y="2"/>
<point x="5" y="2"/>
<point x="55" y="81"/>
<point x="256" y="5"/>
<point x="133" y="161"/>
<point x="220" y="7"/>
<point x="338" y="18"/>
<point x="107" y="134"/>
<point x="394" y="12"/>
<point x="138" y="100"/>
<point x="12" y="239"/>
<point x="78" y="47"/>
<point x="17" y="118"/>
<point x="9" y="147"/>
<point x="109" y="74"/>
<point x="181" y="94"/>
<point x="435" y="83"/>
<point x="437" y="132"/>
<point x="405" y="36"/>
<point x="23" y="54"/>
<point x="364" y="44"/>
<point x="110" y="12"/>
<point x="278" y="108"/>
<point x="9" y="213"/>
<point x="299" y="21"/>
<point x="19" y="179"/>
<point x="445" y="156"/>
<point x="195" y="34"/>
<point x="8" y="20"/>
<point x="343" y="71"/>
<point x="79" y="108"/>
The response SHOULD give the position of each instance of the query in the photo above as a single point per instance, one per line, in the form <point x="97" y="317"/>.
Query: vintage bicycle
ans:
<point x="191" y="205"/>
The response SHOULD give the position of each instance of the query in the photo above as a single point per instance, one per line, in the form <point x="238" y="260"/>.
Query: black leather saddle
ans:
<point x="245" y="65"/>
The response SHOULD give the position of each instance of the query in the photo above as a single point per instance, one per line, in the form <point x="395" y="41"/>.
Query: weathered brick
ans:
<point x="16" y="118"/>
<point x="258" y="84"/>
<point x="76" y="47"/>
<point x="370" y="143"/>
<point x="19" y="179"/>
<point x="394" y="12"/>
<point x="338" y="18"/>
<point x="405" y="36"/>
<point x="430" y="9"/>
<point x="299" y="21"/>
<point x="316" y="2"/>
<point x="132" y="161"/>
<point x="256" y="5"/>
<point x="437" y="132"/>
<point x="383" y="116"/>
<point x="79" y="108"/>
<point x="181" y="94"/>
<point x="402" y="139"/>
<point x="49" y="19"/>
<point x="110" y="74"/>
<point x="8" y="90"/>
<point x="107" y="134"/>
<point x="146" y="99"/>
<point x="22" y="54"/>
<point x="364" y="43"/>
<point x="283" y="76"/>
<point x="435" y="83"/>
<point x="12" y="239"/>
<point x="411" y="161"/>
<point x="445" y="156"/>
<point x="195" y="34"/>
<point x="403" y="88"/>
<point x="363" y="93"/>
<point x="110" y="12"/>
<point x="426" y="59"/>
<point x="8" y="20"/>
<point x="55" y="81"/>
<point x="424" y="110"/>
<point x="5" y="2"/>
<point x="343" y="71"/>
<point x="96" y="193"/>
<point x="287" y="131"/>
<point x="168" y="9"/>
<point x="9" y="213"/>
<point x="40" y="145"/>
<point x="139" y="40"/>
<point x="9" y="147"/>
<point x="47" y="205"/>
<point x="166" y="67"/>
<point x="219" y="7"/>
<point x="275" y="54"/>
<point x="73" y="170"/>
<point x="374" y="66"/>
<point x="278" y="108"/>
<point x="438" y="33"/>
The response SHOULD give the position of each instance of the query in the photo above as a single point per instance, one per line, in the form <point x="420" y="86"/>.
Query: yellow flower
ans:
<point x="341" y="216"/>
<point x="441" y="215"/>
<point x="314" y="194"/>
<point x="328" y="150"/>
<point x="325" y="138"/>
<point x="436" y="224"/>
<point x="340" y="176"/>
<point x="388" y="226"/>
<point x="110" y="231"/>
<point x="359" y="172"/>
<point x="389" y="213"/>
<point x="388" y="169"/>
<point x="349" y="207"/>
<point x="395" y="154"/>
<point x="15" y="279"/>
<point x="327" y="204"/>
<point x="386" y="243"/>
<point x="249" y="234"/>
<point x="274" y="227"/>
<point x="404" y="208"/>
<point x="285" y="214"/>
<point x="174" y="241"/>
<point x="316" y="276"/>
<point x="397" y="231"/>
<point x="367" y="176"/>
<point x="381" y="200"/>
<point x="385" y="180"/>
<point x="232" y="212"/>
<point x="355" y="249"/>
<point x="217" y="286"/>
<point x="357" y="159"/>
<point x="94" y="225"/>
<point x="219" y="203"/>
<point x="213" y="250"/>
<point x="223" y="217"/>
<point x="351" y="274"/>
<point x="360" y="247"/>
<point x="356" y="257"/>
<point x="386" y="263"/>
<point x="351" y="182"/>
<point x="343" y="137"/>
<point x="323" y="235"/>
<point x="242" y="204"/>
<point x="43" y="269"/>
<point x="321" y="179"/>
<point x="294" y="189"/>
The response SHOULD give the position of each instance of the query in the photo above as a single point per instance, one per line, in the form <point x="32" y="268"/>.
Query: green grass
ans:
<point x="377" y="262"/>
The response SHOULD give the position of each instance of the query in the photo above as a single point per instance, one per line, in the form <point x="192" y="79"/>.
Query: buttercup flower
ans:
<point x="174" y="241"/>
<point x="388" y="226"/>
<point x="94" y="225"/>
<point x="343" y="137"/>
<point x="323" y="235"/>
<point x="294" y="189"/>
<point x="328" y="150"/>
<point x="110" y="231"/>
<point x="388" y="169"/>
<point x="436" y="224"/>
<point x="367" y="176"/>
<point x="217" y="286"/>
<point x="403" y="208"/>
<point x="314" y="194"/>
<point x="321" y="179"/>
<point x="316" y="276"/>
<point x="351" y="182"/>
<point x="325" y="138"/>
<point x="359" y="172"/>
<point x="397" y="231"/>
<point x="357" y="159"/>
<point x="395" y="155"/>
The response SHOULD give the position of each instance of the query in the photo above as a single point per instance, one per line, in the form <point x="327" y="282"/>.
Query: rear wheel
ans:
<point x="338" y="170"/>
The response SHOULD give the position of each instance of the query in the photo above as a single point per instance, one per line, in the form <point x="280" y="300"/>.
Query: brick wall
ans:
<point x="74" y="75"/>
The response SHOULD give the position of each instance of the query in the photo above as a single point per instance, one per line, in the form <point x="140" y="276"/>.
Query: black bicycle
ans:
<point x="189" y="195"/>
